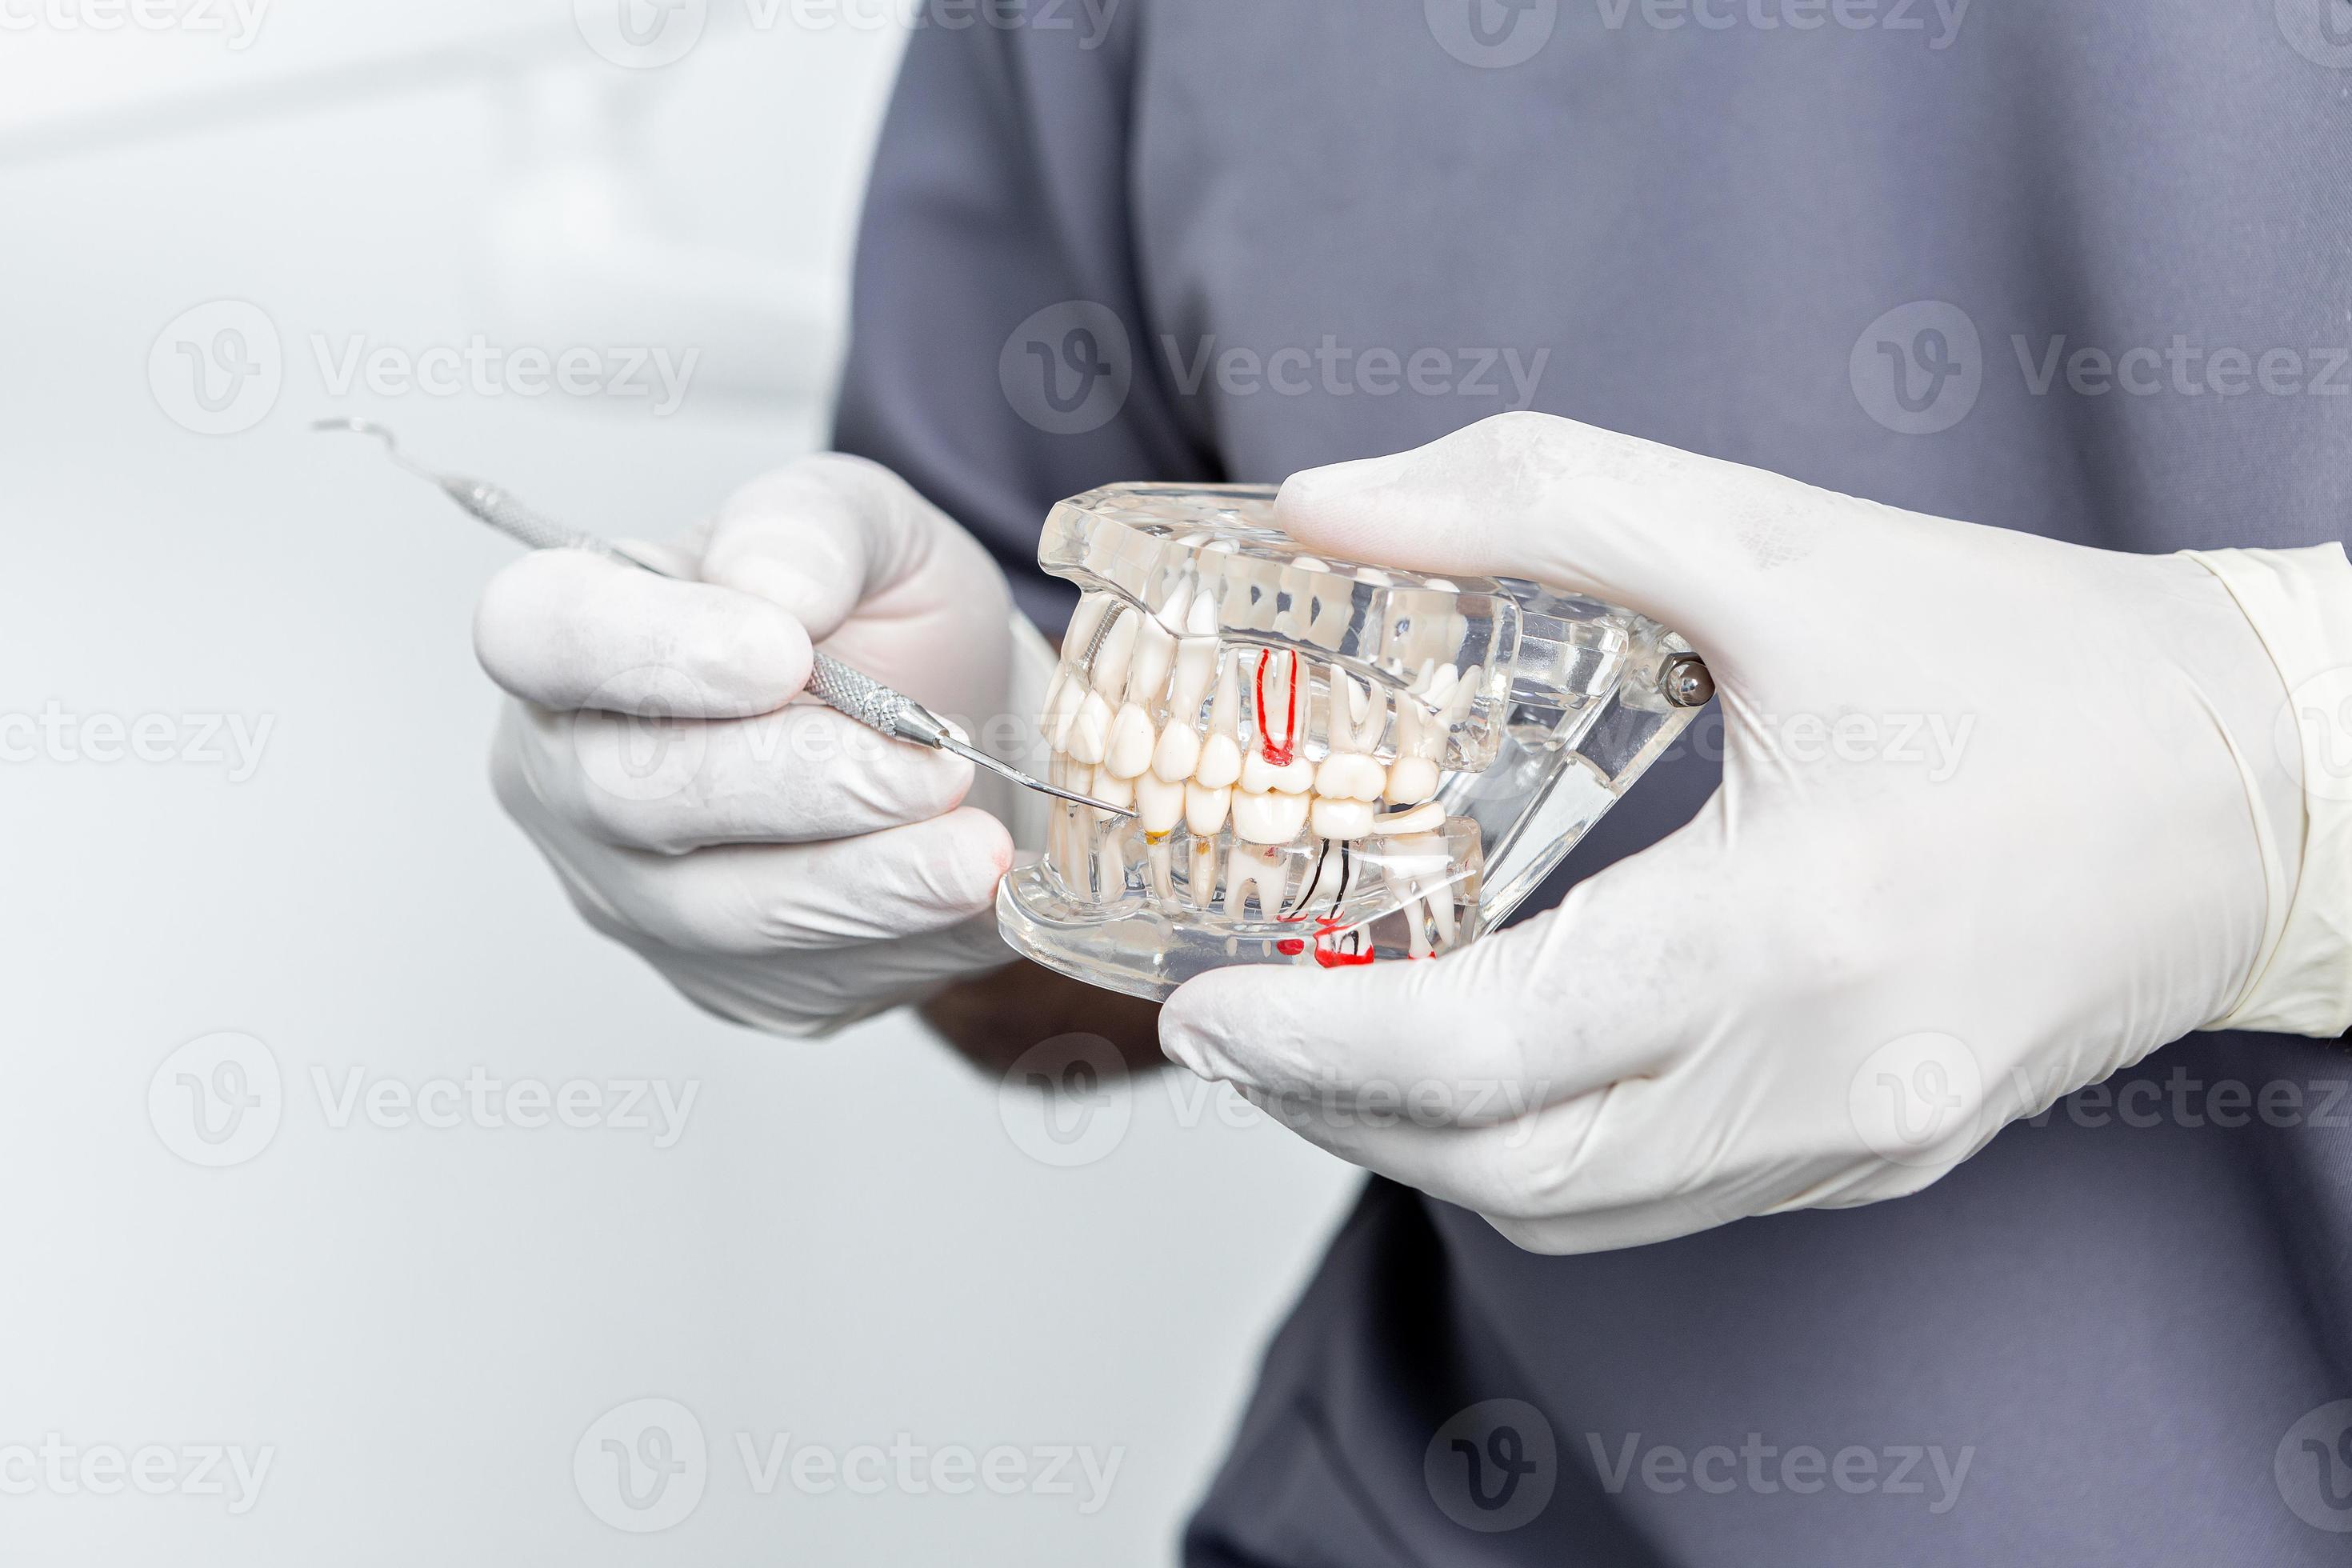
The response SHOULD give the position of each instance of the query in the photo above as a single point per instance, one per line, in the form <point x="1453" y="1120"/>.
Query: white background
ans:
<point x="845" y="1244"/>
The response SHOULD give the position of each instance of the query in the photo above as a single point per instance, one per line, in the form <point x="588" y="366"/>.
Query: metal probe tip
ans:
<point x="982" y="759"/>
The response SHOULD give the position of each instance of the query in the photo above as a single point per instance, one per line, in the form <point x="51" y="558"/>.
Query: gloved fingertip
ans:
<point x="518" y="621"/>
<point x="817" y="591"/>
<point x="775" y="654"/>
<point x="1201" y="1027"/>
<point x="1331" y="507"/>
<point x="978" y="857"/>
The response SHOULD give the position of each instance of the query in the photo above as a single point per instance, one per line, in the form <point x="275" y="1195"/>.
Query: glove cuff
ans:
<point x="2299" y="602"/>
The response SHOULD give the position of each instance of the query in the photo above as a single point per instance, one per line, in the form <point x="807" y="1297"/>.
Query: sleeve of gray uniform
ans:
<point x="998" y="355"/>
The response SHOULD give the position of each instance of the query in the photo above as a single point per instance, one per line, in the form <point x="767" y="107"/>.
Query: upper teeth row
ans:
<point x="1127" y="703"/>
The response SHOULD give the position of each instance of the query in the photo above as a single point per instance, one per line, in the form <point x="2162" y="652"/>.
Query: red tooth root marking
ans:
<point x="1290" y="947"/>
<point x="1327" y="951"/>
<point x="1278" y="752"/>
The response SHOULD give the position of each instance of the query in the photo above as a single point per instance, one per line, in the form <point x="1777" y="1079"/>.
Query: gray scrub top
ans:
<point x="2080" y="269"/>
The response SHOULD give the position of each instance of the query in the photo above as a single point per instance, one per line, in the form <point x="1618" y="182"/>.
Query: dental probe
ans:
<point x="831" y="682"/>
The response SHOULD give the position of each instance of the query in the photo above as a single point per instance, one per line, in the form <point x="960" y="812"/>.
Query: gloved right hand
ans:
<point x="781" y="866"/>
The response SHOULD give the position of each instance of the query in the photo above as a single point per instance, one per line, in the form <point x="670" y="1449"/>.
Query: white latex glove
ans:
<point x="781" y="866"/>
<point x="1865" y="955"/>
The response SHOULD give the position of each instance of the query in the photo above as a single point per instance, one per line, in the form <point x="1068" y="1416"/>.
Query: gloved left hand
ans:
<point x="1865" y="956"/>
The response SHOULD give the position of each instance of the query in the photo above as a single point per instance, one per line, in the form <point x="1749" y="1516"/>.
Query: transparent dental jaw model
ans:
<point x="1331" y="764"/>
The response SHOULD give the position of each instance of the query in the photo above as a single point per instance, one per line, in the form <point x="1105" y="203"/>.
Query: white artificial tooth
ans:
<point x="1089" y="740"/>
<point x="1196" y="669"/>
<point x="1328" y="880"/>
<point x="1159" y="804"/>
<point x="1084" y="624"/>
<point x="1268" y="818"/>
<point x="1465" y="692"/>
<point x="1253" y="819"/>
<point x="1225" y="715"/>
<point x="1161" y="859"/>
<point x="1342" y="819"/>
<point x="1372" y="720"/>
<point x="1332" y="611"/>
<point x="1062" y="706"/>
<point x="1439" y="897"/>
<point x="1206" y="808"/>
<point x="1054" y="689"/>
<point x="1440" y="688"/>
<point x="1117" y="652"/>
<point x="1426" y="817"/>
<point x="1179" y="752"/>
<point x="1408" y="902"/>
<point x="1347" y="775"/>
<point x="1221" y="762"/>
<point x="1128" y="752"/>
<point x="1201" y="620"/>
<point x="1260" y="871"/>
<point x="1201" y="871"/>
<point x="1412" y="780"/>
<point x="1294" y="582"/>
<point x="1155" y="652"/>
<point x="1275" y="690"/>
<point x="1111" y="868"/>
<point x="1359" y="700"/>
<point x="1263" y="778"/>
<point x="1112" y="790"/>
